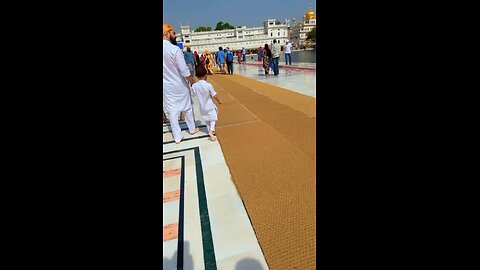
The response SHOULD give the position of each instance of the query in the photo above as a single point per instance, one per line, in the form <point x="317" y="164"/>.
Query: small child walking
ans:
<point x="205" y="93"/>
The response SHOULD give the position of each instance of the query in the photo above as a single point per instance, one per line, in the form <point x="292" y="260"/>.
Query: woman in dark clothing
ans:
<point x="267" y="54"/>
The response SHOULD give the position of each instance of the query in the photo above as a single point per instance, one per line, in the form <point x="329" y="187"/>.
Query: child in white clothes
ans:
<point x="205" y="93"/>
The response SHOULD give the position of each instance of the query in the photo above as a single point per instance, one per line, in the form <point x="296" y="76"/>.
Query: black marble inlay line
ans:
<point x="180" y="150"/>
<point x="188" y="139"/>
<point x="180" y="122"/>
<point x="186" y="128"/>
<point x="207" y="240"/>
<point x="172" y="158"/>
<point x="181" y="217"/>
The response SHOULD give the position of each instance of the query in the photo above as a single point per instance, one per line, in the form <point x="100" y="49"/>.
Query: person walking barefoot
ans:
<point x="206" y="94"/>
<point x="176" y="80"/>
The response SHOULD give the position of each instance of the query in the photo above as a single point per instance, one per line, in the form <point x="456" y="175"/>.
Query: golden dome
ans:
<point x="310" y="14"/>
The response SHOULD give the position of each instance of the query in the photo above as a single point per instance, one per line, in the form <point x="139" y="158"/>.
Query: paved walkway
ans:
<point x="205" y="225"/>
<point x="301" y="80"/>
<point x="263" y="165"/>
<point x="295" y="66"/>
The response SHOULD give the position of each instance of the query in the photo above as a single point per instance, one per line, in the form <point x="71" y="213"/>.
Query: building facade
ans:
<point x="235" y="39"/>
<point x="299" y="32"/>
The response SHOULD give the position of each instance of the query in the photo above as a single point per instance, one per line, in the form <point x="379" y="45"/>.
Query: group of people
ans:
<point x="224" y="60"/>
<point x="221" y="60"/>
<point x="179" y="83"/>
<point x="179" y="72"/>
<point x="194" y="59"/>
<point x="269" y="57"/>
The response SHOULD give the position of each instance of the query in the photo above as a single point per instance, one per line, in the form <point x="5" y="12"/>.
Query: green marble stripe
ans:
<point x="207" y="240"/>
<point x="208" y="250"/>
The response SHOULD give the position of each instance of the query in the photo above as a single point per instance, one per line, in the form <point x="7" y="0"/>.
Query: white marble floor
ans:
<point x="214" y="231"/>
<point x="302" y="81"/>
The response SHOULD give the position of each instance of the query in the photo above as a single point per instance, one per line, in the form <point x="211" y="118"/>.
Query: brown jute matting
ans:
<point x="303" y="103"/>
<point x="268" y="138"/>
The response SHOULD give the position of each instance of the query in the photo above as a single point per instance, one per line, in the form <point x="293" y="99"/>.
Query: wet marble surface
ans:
<point x="302" y="81"/>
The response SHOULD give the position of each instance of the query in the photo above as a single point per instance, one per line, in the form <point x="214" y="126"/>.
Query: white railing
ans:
<point x="235" y="39"/>
<point x="225" y="31"/>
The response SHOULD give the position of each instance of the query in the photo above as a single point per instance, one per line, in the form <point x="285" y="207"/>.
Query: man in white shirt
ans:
<point x="176" y="91"/>
<point x="288" y="53"/>
<point x="275" y="55"/>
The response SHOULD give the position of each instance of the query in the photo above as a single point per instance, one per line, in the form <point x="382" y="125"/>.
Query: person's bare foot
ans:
<point x="212" y="135"/>
<point x="195" y="132"/>
<point x="179" y="141"/>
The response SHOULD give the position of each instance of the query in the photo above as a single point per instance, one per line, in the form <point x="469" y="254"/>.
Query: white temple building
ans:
<point x="235" y="39"/>
<point x="298" y="32"/>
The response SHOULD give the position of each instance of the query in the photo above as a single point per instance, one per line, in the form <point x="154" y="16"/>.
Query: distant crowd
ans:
<point x="185" y="75"/>
<point x="223" y="59"/>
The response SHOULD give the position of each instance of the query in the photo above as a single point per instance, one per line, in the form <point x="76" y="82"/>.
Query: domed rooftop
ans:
<point x="310" y="14"/>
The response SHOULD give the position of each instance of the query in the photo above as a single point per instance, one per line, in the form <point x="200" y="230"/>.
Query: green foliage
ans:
<point x="222" y="26"/>
<point x="312" y="35"/>
<point x="203" y="29"/>
<point x="228" y="26"/>
<point x="219" y="26"/>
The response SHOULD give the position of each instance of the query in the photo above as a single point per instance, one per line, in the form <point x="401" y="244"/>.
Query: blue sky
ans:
<point x="243" y="12"/>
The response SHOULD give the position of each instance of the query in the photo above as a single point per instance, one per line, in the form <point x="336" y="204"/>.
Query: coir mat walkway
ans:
<point x="268" y="138"/>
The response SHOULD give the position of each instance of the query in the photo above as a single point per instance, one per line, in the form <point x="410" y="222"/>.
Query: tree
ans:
<point x="219" y="26"/>
<point x="203" y="29"/>
<point x="222" y="26"/>
<point x="312" y="35"/>
<point x="228" y="26"/>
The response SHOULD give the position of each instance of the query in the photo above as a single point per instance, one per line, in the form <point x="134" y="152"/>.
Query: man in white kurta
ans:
<point x="176" y="91"/>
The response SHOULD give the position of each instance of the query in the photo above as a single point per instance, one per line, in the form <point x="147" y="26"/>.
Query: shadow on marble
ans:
<point x="244" y="261"/>
<point x="171" y="263"/>
<point x="249" y="264"/>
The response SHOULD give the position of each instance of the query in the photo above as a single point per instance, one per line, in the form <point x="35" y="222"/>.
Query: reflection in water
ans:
<point x="301" y="56"/>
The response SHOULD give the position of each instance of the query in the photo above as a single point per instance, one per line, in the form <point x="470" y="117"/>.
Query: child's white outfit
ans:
<point x="205" y="93"/>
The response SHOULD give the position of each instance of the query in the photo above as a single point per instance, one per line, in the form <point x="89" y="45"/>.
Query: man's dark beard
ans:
<point x="173" y="41"/>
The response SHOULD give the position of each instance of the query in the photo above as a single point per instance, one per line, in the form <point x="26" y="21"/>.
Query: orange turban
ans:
<point x="166" y="27"/>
